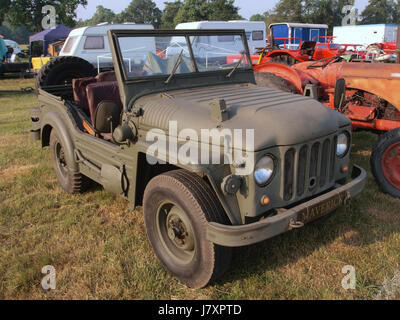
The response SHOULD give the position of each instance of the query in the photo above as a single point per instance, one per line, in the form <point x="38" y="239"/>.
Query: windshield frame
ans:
<point x="114" y="35"/>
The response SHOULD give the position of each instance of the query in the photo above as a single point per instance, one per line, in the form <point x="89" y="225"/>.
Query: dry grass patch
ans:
<point x="385" y="215"/>
<point x="12" y="172"/>
<point x="390" y="289"/>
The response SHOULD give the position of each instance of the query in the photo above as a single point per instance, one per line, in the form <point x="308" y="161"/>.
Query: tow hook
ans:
<point x="295" y="224"/>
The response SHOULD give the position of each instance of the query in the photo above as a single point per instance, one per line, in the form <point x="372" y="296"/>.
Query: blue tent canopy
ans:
<point x="48" y="36"/>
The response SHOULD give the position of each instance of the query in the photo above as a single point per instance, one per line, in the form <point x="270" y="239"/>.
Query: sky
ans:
<point x="247" y="7"/>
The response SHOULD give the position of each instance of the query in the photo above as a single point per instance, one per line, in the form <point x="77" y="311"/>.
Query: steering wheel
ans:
<point x="324" y="62"/>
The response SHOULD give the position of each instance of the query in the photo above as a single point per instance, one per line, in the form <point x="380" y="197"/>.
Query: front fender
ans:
<point x="283" y="71"/>
<point x="54" y="120"/>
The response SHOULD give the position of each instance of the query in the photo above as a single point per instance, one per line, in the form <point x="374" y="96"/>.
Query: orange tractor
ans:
<point x="367" y="93"/>
<point x="302" y="51"/>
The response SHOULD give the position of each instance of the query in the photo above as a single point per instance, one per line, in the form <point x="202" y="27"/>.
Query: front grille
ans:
<point x="309" y="168"/>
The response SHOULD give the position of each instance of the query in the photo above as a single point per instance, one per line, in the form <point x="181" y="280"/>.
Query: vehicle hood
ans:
<point x="278" y="118"/>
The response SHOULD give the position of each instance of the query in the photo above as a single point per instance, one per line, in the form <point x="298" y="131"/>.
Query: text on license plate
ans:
<point x="323" y="208"/>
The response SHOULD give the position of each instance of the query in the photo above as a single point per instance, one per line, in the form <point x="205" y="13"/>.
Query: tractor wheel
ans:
<point x="61" y="71"/>
<point x="269" y="80"/>
<point x="177" y="207"/>
<point x="385" y="163"/>
<point x="284" y="59"/>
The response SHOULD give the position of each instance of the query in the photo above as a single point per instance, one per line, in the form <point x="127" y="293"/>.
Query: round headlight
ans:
<point x="342" y="145"/>
<point x="264" y="170"/>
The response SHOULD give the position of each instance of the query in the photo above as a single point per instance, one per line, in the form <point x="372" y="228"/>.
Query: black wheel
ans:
<point x="269" y="80"/>
<point x="177" y="207"/>
<point x="62" y="70"/>
<point x="70" y="181"/>
<point x="385" y="163"/>
<point x="284" y="59"/>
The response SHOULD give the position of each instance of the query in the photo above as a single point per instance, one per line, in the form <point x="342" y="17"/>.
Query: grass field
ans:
<point x="100" y="251"/>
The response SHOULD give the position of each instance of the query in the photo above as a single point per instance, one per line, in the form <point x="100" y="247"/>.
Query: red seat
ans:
<point x="79" y="87"/>
<point x="106" y="76"/>
<point x="102" y="91"/>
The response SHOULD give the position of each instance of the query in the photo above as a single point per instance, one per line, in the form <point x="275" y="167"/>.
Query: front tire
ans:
<point x="70" y="181"/>
<point x="177" y="207"/>
<point x="385" y="163"/>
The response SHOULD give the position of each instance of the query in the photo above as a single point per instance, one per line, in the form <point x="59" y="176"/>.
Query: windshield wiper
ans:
<point x="177" y="64"/>
<point x="235" y="67"/>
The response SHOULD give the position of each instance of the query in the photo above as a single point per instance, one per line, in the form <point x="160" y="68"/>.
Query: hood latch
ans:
<point x="219" y="111"/>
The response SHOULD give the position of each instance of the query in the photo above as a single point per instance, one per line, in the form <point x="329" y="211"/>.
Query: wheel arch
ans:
<point x="277" y="53"/>
<point x="283" y="71"/>
<point x="145" y="172"/>
<point x="383" y="88"/>
<point x="52" y="120"/>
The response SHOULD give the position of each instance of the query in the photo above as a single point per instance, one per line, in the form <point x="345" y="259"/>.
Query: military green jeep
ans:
<point x="184" y="131"/>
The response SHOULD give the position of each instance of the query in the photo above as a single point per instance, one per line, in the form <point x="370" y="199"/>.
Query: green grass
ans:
<point x="100" y="251"/>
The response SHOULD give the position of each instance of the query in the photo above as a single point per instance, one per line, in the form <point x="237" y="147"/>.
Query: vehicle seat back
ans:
<point x="106" y="76"/>
<point x="102" y="91"/>
<point x="79" y="88"/>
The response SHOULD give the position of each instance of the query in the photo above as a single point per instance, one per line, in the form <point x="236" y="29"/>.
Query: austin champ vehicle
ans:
<point x="215" y="161"/>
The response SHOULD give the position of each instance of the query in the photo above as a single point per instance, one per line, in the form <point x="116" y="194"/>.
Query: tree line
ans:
<point x="146" y="11"/>
<point x="19" y="18"/>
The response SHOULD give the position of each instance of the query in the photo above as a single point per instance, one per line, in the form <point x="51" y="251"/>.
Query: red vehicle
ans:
<point x="290" y="54"/>
<point x="366" y="93"/>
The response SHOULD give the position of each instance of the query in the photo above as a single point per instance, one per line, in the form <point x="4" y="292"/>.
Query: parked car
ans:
<point x="91" y="44"/>
<point x="152" y="133"/>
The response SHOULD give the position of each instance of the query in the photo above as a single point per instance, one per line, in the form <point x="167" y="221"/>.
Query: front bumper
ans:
<point x="285" y="220"/>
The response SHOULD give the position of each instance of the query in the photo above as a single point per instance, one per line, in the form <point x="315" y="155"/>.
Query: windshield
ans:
<point x="151" y="55"/>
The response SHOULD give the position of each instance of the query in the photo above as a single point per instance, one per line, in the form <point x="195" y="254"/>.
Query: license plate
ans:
<point x="322" y="209"/>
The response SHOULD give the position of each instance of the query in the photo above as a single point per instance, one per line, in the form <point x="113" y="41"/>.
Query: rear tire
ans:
<point x="70" y="181"/>
<point x="61" y="71"/>
<point x="177" y="207"/>
<point x="269" y="80"/>
<point x="385" y="163"/>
